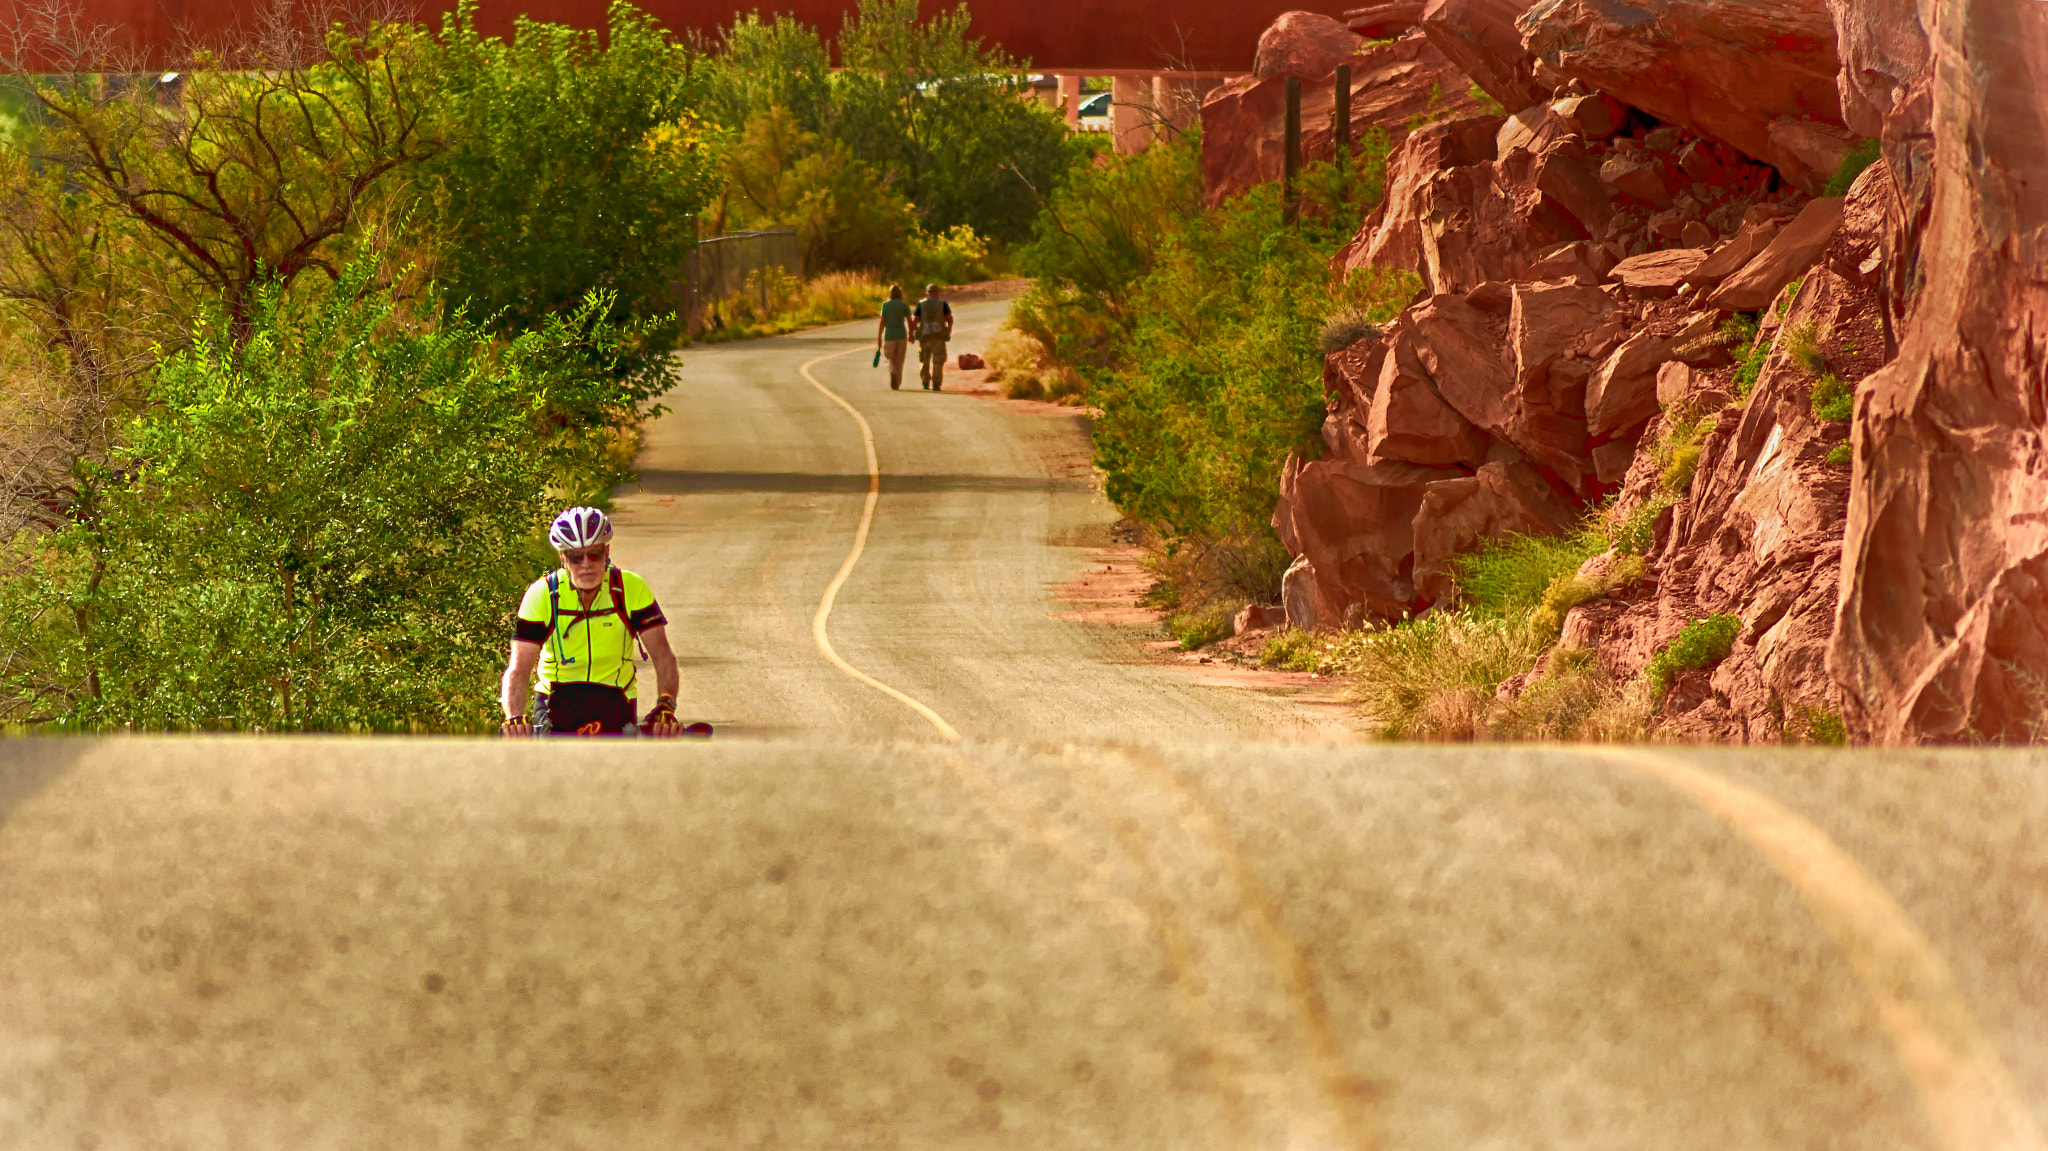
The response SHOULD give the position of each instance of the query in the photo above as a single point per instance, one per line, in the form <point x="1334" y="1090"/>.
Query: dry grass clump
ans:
<point x="1434" y="678"/>
<point x="1573" y="700"/>
<point x="1438" y="677"/>
<point x="774" y="302"/>
<point x="1024" y="368"/>
<point x="1202" y="583"/>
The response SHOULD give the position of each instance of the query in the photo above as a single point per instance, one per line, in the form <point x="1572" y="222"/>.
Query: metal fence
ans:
<point x="722" y="267"/>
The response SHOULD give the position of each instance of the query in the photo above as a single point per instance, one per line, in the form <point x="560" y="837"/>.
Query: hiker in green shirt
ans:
<point x="892" y="335"/>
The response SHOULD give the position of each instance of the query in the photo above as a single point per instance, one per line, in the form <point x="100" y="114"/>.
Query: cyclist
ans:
<point x="579" y="625"/>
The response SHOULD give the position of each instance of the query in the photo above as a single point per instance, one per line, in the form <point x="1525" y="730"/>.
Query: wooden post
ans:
<point x="1340" y="116"/>
<point x="1290" y="164"/>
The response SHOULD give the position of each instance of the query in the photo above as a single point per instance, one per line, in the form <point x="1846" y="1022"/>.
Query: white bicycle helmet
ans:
<point x="579" y="528"/>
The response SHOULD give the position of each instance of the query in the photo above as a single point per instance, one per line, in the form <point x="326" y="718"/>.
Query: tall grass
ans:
<point x="774" y="302"/>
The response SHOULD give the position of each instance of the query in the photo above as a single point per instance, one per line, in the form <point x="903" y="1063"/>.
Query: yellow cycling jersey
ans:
<point x="587" y="645"/>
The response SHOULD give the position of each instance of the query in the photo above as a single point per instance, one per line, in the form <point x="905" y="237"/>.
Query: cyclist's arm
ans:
<point x="666" y="678"/>
<point x="518" y="681"/>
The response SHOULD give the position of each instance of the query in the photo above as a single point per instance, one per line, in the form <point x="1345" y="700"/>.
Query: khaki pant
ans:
<point x="893" y="351"/>
<point x="931" y="361"/>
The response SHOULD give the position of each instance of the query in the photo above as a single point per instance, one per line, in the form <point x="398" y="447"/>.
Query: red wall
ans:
<point x="1068" y="35"/>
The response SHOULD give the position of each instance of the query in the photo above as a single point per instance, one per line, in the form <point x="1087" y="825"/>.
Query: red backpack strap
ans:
<point x="619" y="600"/>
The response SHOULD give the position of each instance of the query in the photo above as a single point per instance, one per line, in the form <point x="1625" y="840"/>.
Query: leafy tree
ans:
<point x="946" y="119"/>
<point x="1198" y="332"/>
<point x="258" y="169"/>
<point x="1101" y="232"/>
<point x="574" y="164"/>
<point x="759" y="64"/>
<point x="777" y="173"/>
<point x="317" y="529"/>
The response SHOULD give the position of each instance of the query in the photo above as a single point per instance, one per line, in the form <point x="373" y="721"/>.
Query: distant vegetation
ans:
<point x="1197" y="335"/>
<point x="302" y="343"/>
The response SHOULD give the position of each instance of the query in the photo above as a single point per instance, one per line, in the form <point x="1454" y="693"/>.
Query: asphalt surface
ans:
<point x="750" y="491"/>
<point x="1101" y="920"/>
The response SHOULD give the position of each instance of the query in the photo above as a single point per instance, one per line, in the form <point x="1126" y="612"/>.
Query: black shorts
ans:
<point x="572" y="706"/>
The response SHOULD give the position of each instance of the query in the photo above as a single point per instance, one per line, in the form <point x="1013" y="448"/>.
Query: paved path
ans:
<point x="750" y="492"/>
<point x="1103" y="919"/>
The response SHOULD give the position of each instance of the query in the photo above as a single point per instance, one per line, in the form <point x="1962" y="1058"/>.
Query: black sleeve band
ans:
<point x="532" y="631"/>
<point x="647" y="617"/>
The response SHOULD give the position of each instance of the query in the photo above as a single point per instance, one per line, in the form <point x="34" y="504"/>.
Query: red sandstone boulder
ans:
<point x="1355" y="527"/>
<point x="1883" y="50"/>
<point x="1730" y="257"/>
<point x="1637" y="176"/>
<point x="1568" y="176"/>
<point x="1410" y="422"/>
<point x="1461" y="347"/>
<point x="1391" y="236"/>
<point x="1623" y="392"/>
<point x="1304" y="44"/>
<point x="1547" y="324"/>
<point x="1593" y="117"/>
<point x="1480" y="36"/>
<point x="1658" y="273"/>
<point x="1943" y="628"/>
<point x="1724" y="68"/>
<point x="1487" y="221"/>
<point x="1385" y="21"/>
<point x="1580" y="262"/>
<point x="1258" y="617"/>
<point x="1789" y="253"/>
<point x="1503" y="499"/>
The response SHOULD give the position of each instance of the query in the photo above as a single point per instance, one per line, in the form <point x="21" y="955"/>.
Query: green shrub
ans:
<point x="1841" y="455"/>
<point x="1701" y="643"/>
<point x="1564" y="593"/>
<point x="1507" y="577"/>
<point x="323" y="530"/>
<point x="1637" y="531"/>
<point x="1820" y="725"/>
<point x="1834" y="400"/>
<point x="1200" y="627"/>
<point x="1434" y="677"/>
<point x="1296" y="650"/>
<point x="773" y="301"/>
<point x="1678" y="474"/>
<point x="1789" y="294"/>
<point x="1863" y="155"/>
<point x="955" y="256"/>
<point x="1739" y="332"/>
<point x="573" y="164"/>
<point x="1802" y="347"/>
<point x="1221" y="375"/>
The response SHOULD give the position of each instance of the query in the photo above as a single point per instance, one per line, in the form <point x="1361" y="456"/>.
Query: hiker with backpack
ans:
<point x="578" y="627"/>
<point x="934" y="328"/>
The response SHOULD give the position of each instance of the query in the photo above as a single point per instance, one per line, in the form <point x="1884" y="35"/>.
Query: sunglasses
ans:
<point x="590" y="556"/>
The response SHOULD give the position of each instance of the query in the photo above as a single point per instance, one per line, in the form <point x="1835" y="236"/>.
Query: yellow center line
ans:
<point x="1350" y="1095"/>
<point x="860" y="543"/>
<point x="1964" y="1087"/>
